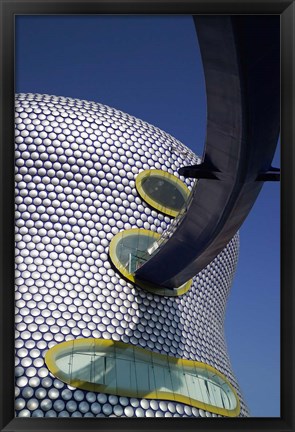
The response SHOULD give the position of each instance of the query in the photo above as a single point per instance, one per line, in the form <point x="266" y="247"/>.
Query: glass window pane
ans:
<point x="123" y="374"/>
<point x="110" y="375"/>
<point x="81" y="366"/>
<point x="163" y="192"/>
<point x="122" y="368"/>
<point x="145" y="382"/>
<point x="132" y="249"/>
<point x="97" y="370"/>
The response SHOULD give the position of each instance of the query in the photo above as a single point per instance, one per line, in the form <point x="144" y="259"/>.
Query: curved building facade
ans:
<point x="87" y="196"/>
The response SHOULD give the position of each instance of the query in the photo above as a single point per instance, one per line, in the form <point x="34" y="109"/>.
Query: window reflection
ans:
<point x="118" y="368"/>
<point x="162" y="191"/>
<point x="130" y="249"/>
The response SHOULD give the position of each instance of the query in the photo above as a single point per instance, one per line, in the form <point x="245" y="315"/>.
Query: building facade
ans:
<point x="96" y="189"/>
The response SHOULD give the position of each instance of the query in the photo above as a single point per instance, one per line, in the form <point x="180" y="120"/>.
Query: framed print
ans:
<point x="146" y="159"/>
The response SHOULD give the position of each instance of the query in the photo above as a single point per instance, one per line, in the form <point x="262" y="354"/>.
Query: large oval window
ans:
<point x="162" y="191"/>
<point x="130" y="249"/>
<point x="112" y="367"/>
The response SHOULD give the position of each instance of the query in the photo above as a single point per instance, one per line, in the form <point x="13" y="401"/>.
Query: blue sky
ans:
<point x="150" y="67"/>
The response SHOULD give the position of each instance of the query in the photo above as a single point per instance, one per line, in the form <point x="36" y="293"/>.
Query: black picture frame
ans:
<point x="8" y="10"/>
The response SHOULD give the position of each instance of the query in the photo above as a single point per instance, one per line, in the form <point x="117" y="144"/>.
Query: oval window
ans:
<point x="162" y="191"/>
<point x="130" y="249"/>
<point x="126" y="370"/>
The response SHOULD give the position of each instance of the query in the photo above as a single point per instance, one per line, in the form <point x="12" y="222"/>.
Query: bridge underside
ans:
<point x="241" y="59"/>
